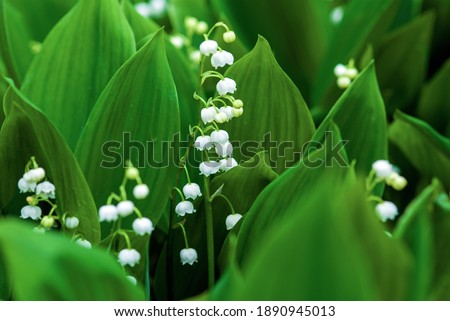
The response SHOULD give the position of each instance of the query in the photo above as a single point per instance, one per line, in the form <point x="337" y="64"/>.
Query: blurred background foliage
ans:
<point x="80" y="71"/>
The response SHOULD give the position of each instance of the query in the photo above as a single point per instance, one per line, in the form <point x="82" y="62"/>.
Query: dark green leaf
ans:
<point x="180" y="9"/>
<point x="402" y="60"/>
<point x="77" y="59"/>
<point x="276" y="117"/>
<point x="135" y="118"/>
<point x="434" y="103"/>
<point x="360" y="116"/>
<point x="428" y="151"/>
<point x="298" y="31"/>
<point x="50" y="267"/>
<point x="27" y="132"/>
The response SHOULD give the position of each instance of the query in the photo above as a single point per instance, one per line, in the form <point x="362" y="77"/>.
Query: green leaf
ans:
<point x="135" y="118"/>
<point x="142" y="27"/>
<point x="49" y="267"/>
<point x="276" y="117"/>
<point x="402" y="60"/>
<point x="297" y="30"/>
<point x="27" y="132"/>
<point x="180" y="9"/>
<point x="434" y="103"/>
<point x="360" y="116"/>
<point x="361" y="21"/>
<point x="428" y="151"/>
<point x="415" y="228"/>
<point x="97" y="38"/>
<point x="330" y="246"/>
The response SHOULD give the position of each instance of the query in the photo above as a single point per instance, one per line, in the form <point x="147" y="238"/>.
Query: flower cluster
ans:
<point x="384" y="171"/>
<point x="35" y="181"/>
<point x="123" y="207"/>
<point x="345" y="74"/>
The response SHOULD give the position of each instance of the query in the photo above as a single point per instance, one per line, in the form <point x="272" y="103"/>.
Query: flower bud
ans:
<point x="238" y="103"/>
<point x="236" y="112"/>
<point x="71" y="222"/>
<point x="47" y="222"/>
<point x="399" y="183"/>
<point x="343" y="82"/>
<point x="190" y="22"/>
<point x="221" y="117"/>
<point x="229" y="36"/>
<point x="231" y="220"/>
<point x="132" y="173"/>
<point x="201" y="28"/>
<point x="140" y="191"/>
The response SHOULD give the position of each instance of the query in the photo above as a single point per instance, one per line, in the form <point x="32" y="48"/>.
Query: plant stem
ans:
<point x="209" y="234"/>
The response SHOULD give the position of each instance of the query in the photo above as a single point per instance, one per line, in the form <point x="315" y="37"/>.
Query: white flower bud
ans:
<point x="208" y="47"/>
<point x="219" y="136"/>
<point x="195" y="56"/>
<point x="237" y="112"/>
<point x="203" y="142"/>
<point x="386" y="211"/>
<point x="238" y="103"/>
<point x="140" y="191"/>
<point x="382" y="168"/>
<point x="209" y="168"/>
<point x="71" y="222"/>
<point x="224" y="150"/>
<point x="25" y="186"/>
<point x="188" y="256"/>
<point x="343" y="82"/>
<point x="84" y="243"/>
<point x="399" y="183"/>
<point x="142" y="226"/>
<point x="30" y="211"/>
<point x="125" y="208"/>
<point x="226" y="86"/>
<point x="340" y="70"/>
<point x="227" y="164"/>
<point x="143" y="9"/>
<point x="229" y="36"/>
<point x="46" y="189"/>
<point x="231" y="220"/>
<point x="132" y="173"/>
<point x="201" y="28"/>
<point x="192" y="191"/>
<point x="228" y="110"/>
<point x="190" y="22"/>
<point x="132" y="279"/>
<point x="177" y="41"/>
<point x="108" y="213"/>
<point x="34" y="175"/>
<point x="129" y="257"/>
<point x="47" y="222"/>
<point x="351" y="73"/>
<point x="221" y="117"/>
<point x="207" y="114"/>
<point x="391" y="178"/>
<point x="222" y="58"/>
<point x="184" y="207"/>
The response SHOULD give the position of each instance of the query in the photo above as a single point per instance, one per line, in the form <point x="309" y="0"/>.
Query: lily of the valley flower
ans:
<point x="207" y="114"/>
<point x="108" y="213"/>
<point x="142" y="226"/>
<point x="46" y="189"/>
<point x="47" y="222"/>
<point x="184" y="207"/>
<point x="229" y="36"/>
<point x="34" y="175"/>
<point x="203" y="142"/>
<point x="227" y="164"/>
<point x="224" y="150"/>
<point x="219" y="136"/>
<point x="208" y="47"/>
<point x="30" y="211"/>
<point x="71" y="222"/>
<point x="386" y="211"/>
<point x="140" y="191"/>
<point x="25" y="186"/>
<point x="222" y="58"/>
<point x="226" y="86"/>
<point x="382" y="168"/>
<point x="125" y="208"/>
<point x="221" y="117"/>
<point x="228" y="110"/>
<point x="84" y="243"/>
<point x="231" y="220"/>
<point x="129" y="257"/>
<point x="237" y="112"/>
<point x="188" y="256"/>
<point x="132" y="279"/>
<point x="209" y="168"/>
<point x="192" y="191"/>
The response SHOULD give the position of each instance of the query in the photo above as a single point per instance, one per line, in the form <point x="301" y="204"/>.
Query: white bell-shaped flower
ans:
<point x="108" y="213"/>
<point x="207" y="114"/>
<point x="34" y="175"/>
<point x="208" y="47"/>
<point x="209" y="168"/>
<point x="46" y="189"/>
<point x="386" y="211"/>
<point x="226" y="86"/>
<point x="140" y="191"/>
<point x="228" y="110"/>
<point x="184" y="207"/>
<point x="231" y="220"/>
<point x="142" y="226"/>
<point x="383" y="169"/>
<point x="340" y="70"/>
<point x="227" y="164"/>
<point x="129" y="257"/>
<point x="84" y="243"/>
<point x="224" y="150"/>
<point x="191" y="191"/>
<point x="222" y="58"/>
<point x="125" y="208"/>
<point x="188" y="256"/>
<point x="26" y="186"/>
<point x="203" y="143"/>
<point x="71" y="222"/>
<point x="219" y="136"/>
<point x="30" y="211"/>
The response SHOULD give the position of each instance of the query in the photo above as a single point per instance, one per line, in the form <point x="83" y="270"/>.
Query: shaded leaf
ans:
<point x="97" y="38"/>
<point x="276" y="117"/>
<point x="61" y="270"/>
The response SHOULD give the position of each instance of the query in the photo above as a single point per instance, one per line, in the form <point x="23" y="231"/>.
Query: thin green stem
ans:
<point x="126" y="237"/>
<point x="375" y="198"/>
<point x="227" y="200"/>
<point x="179" y="193"/>
<point x="187" y="174"/>
<point x="209" y="234"/>
<point x="184" y="235"/>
